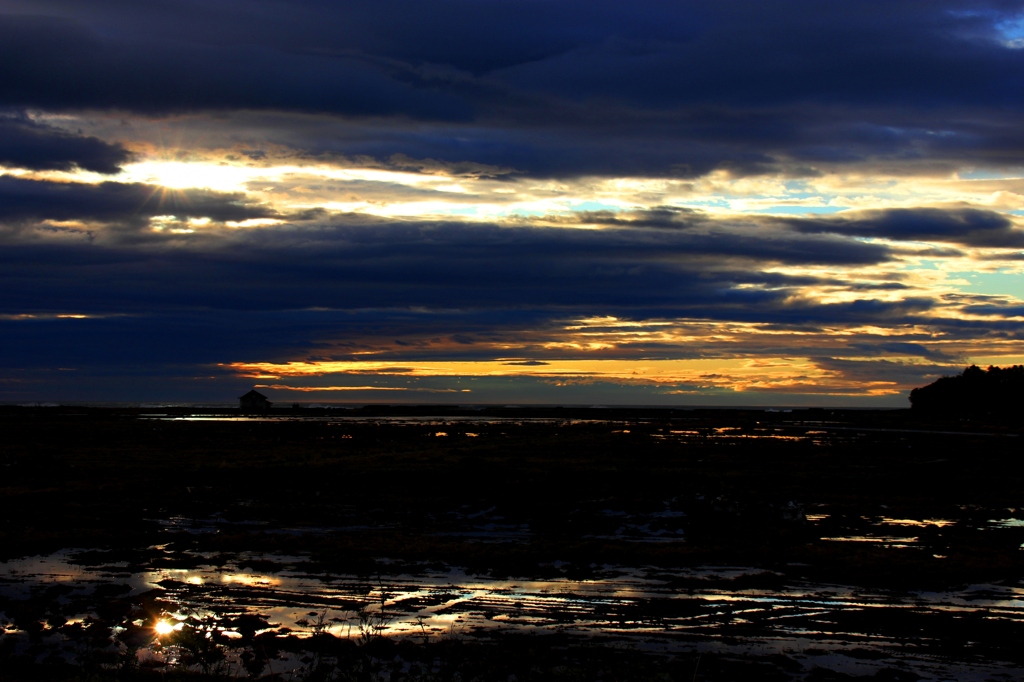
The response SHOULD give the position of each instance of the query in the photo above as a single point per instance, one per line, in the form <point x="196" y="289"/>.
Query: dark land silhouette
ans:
<point x="996" y="391"/>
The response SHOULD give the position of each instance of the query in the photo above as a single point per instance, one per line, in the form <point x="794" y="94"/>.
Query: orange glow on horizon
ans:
<point x="314" y="389"/>
<point x="785" y="375"/>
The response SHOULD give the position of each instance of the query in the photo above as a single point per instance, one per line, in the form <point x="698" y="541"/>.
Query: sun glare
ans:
<point x="180" y="175"/>
<point x="163" y="628"/>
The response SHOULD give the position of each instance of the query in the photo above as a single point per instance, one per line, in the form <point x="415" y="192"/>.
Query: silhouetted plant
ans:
<point x="94" y="646"/>
<point x="373" y="624"/>
<point x="127" y="664"/>
<point x="320" y="623"/>
<point x="198" y="648"/>
<point x="318" y="666"/>
<point x="7" y="643"/>
<point x="254" y="661"/>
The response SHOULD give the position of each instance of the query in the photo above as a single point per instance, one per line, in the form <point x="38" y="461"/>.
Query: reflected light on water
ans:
<point x="1007" y="523"/>
<point x="670" y="609"/>
<point x="163" y="628"/>
<point x="941" y="523"/>
<point x="249" y="580"/>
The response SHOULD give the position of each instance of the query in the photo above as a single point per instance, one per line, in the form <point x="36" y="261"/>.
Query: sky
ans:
<point x="656" y="202"/>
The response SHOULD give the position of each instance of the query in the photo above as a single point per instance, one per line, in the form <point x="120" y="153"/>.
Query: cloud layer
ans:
<point x="553" y="88"/>
<point x="27" y="144"/>
<point x="761" y="201"/>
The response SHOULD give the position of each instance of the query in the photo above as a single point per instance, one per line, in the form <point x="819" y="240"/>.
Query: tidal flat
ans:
<point x="509" y="543"/>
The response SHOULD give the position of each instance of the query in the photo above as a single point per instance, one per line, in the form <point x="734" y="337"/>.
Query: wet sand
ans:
<point x="804" y="545"/>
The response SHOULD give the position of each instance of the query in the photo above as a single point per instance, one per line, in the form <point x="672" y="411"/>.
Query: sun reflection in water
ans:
<point x="250" y="580"/>
<point x="162" y="628"/>
<point x="437" y="604"/>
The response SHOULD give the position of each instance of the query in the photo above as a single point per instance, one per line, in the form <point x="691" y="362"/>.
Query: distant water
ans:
<point x="464" y="406"/>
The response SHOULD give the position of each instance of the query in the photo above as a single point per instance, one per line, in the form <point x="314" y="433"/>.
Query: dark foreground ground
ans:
<point x="883" y="501"/>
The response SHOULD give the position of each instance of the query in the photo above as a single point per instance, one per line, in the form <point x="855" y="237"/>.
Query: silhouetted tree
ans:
<point x="996" y="390"/>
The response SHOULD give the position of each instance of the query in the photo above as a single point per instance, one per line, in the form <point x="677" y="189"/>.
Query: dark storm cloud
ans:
<point x="472" y="36"/>
<point x="278" y="294"/>
<point x="24" y="200"/>
<point x="883" y="370"/>
<point x="656" y="51"/>
<point x="551" y="88"/>
<point x="961" y="225"/>
<point x="172" y="354"/>
<point x="373" y="263"/>
<point x="808" y="311"/>
<point x="998" y="310"/>
<point x="902" y="348"/>
<point x="664" y="217"/>
<point x="61" y="64"/>
<point x="965" y="226"/>
<point x="34" y="146"/>
<point x="754" y="53"/>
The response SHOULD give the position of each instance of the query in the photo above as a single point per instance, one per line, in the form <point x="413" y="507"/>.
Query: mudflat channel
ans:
<point x="428" y="544"/>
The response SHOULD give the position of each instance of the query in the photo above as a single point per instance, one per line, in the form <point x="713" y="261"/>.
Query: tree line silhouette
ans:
<point x="996" y="390"/>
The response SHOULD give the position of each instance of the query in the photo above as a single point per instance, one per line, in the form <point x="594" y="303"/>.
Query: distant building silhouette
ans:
<point x="995" y="391"/>
<point x="254" y="401"/>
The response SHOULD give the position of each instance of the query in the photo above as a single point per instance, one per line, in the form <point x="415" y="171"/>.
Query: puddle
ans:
<point x="736" y="610"/>
<point x="903" y="533"/>
<point x="1007" y="523"/>
<point x="887" y="541"/>
<point x="938" y="523"/>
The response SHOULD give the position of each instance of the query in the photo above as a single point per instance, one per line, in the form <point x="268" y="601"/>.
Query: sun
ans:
<point x="179" y="175"/>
